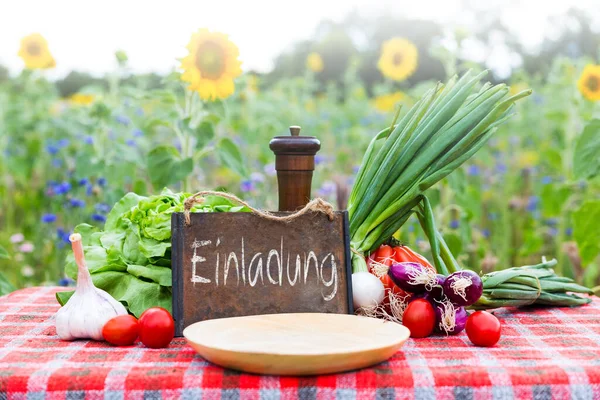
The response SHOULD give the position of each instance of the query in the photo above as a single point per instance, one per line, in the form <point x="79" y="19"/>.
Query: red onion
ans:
<point x="412" y="277"/>
<point x="449" y="318"/>
<point x="463" y="288"/>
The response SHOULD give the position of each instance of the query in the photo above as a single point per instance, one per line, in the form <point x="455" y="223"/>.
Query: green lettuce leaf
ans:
<point x="131" y="258"/>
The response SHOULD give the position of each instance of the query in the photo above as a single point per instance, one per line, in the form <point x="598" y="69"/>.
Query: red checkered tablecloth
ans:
<point x="543" y="354"/>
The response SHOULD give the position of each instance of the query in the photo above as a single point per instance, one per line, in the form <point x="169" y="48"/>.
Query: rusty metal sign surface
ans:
<point x="236" y="264"/>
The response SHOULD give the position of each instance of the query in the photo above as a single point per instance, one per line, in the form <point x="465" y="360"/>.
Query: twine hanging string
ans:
<point x="315" y="205"/>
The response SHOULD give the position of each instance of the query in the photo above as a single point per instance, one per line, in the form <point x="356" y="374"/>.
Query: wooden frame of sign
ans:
<point x="237" y="264"/>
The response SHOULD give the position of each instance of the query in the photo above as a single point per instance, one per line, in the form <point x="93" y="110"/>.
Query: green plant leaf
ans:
<point x="160" y="275"/>
<point x="586" y="231"/>
<point x="586" y="157"/>
<point x="3" y="253"/>
<point x="231" y="156"/>
<point x="166" y="167"/>
<point x="454" y="243"/>
<point x="125" y="204"/>
<point x="5" y="286"/>
<point x="554" y="197"/>
<point x="204" y="133"/>
<point x="553" y="158"/>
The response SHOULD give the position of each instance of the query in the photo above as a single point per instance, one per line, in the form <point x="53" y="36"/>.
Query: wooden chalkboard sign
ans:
<point x="237" y="264"/>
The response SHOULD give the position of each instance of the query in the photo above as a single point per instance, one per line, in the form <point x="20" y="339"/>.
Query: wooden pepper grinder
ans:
<point x="295" y="163"/>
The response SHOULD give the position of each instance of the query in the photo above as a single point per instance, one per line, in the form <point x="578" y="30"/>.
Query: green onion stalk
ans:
<point x="512" y="287"/>
<point x="447" y="126"/>
<point x="439" y="133"/>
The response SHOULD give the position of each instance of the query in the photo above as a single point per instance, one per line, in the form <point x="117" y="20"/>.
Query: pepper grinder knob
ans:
<point x="295" y="163"/>
<point x="295" y="130"/>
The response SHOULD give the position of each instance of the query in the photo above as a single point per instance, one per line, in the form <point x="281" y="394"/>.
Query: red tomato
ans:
<point x="384" y="255"/>
<point x="419" y="318"/>
<point x="157" y="328"/>
<point x="406" y="254"/>
<point x="121" y="330"/>
<point x="483" y="329"/>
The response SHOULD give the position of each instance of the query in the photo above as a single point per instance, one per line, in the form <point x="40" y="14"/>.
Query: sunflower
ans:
<point x="398" y="59"/>
<point x="589" y="82"/>
<point x="314" y="62"/>
<point x="34" y="51"/>
<point x="211" y="65"/>
<point x="387" y="102"/>
<point x="81" y="99"/>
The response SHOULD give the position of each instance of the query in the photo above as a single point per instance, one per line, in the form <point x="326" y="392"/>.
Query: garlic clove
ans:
<point x="88" y="310"/>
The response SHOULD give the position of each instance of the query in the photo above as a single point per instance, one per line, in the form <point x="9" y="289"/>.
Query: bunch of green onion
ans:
<point x="530" y="284"/>
<point x="440" y="132"/>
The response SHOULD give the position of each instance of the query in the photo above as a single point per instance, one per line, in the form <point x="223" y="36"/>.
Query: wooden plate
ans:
<point x="296" y="344"/>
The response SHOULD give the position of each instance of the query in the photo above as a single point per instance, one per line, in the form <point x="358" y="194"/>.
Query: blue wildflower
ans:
<point x="76" y="203"/>
<point x="454" y="224"/>
<point x="411" y="228"/>
<point x="102" y="208"/>
<point x="63" y="235"/>
<point x="101" y="181"/>
<point x="493" y="216"/>
<point x="532" y="203"/>
<point x="66" y="282"/>
<point x="56" y="162"/>
<point x="122" y="119"/>
<point x="328" y="188"/>
<point x="89" y="189"/>
<point x="99" y="217"/>
<point x="552" y="221"/>
<point x="131" y="143"/>
<point x="569" y="232"/>
<point x="48" y="218"/>
<point x="486" y="232"/>
<point x="546" y="180"/>
<point x="61" y="188"/>
<point x="62" y="143"/>
<point x="473" y="170"/>
<point x="501" y="168"/>
<point x="139" y="112"/>
<point x="88" y="140"/>
<point x="553" y="232"/>
<point x="270" y="169"/>
<point x="52" y="149"/>
<point x="355" y="169"/>
<point x="257" y="177"/>
<point x="319" y="159"/>
<point x="246" y="186"/>
<point x="138" y="133"/>
<point x="83" y="182"/>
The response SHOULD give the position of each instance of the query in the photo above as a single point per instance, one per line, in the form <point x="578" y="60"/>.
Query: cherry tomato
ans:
<point x="483" y="329"/>
<point x="419" y="318"/>
<point x="157" y="328"/>
<point x="406" y="254"/>
<point x="121" y="330"/>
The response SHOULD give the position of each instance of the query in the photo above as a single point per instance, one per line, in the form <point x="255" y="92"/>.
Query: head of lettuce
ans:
<point x="131" y="258"/>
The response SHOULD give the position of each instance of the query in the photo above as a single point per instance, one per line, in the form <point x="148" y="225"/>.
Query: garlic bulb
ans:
<point x="86" y="312"/>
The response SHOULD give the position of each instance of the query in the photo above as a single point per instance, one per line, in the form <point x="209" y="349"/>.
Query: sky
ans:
<point x="83" y="35"/>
